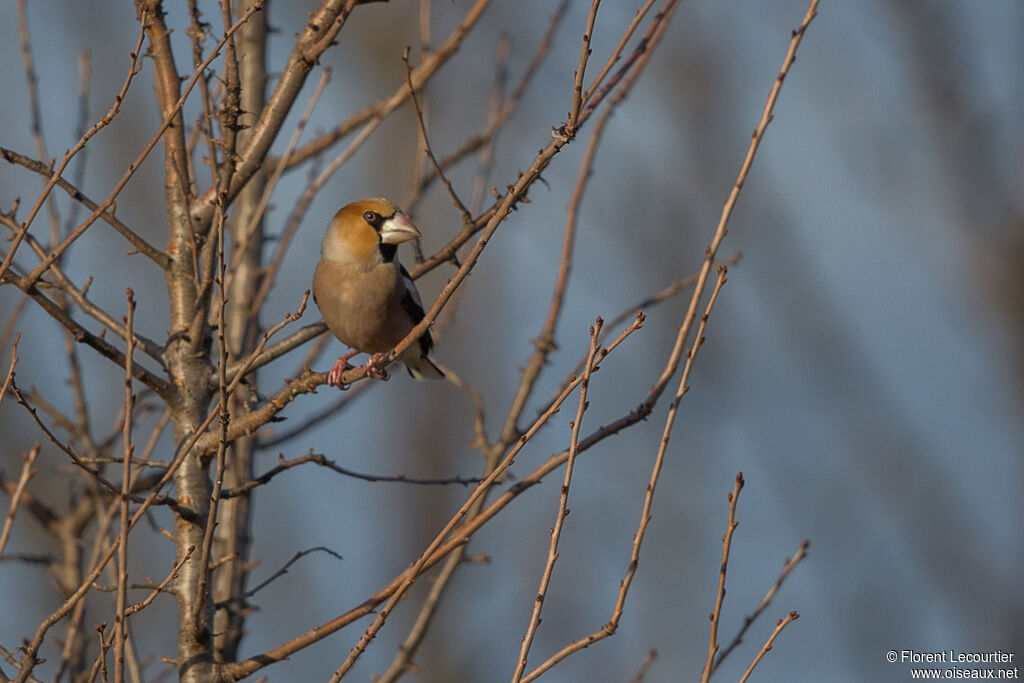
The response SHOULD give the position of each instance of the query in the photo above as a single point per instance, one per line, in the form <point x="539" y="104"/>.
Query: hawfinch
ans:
<point x="366" y="296"/>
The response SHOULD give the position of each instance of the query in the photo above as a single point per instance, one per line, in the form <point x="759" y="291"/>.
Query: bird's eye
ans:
<point x="372" y="217"/>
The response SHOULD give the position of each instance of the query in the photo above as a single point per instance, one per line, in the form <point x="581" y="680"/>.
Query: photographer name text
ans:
<point x="957" y="657"/>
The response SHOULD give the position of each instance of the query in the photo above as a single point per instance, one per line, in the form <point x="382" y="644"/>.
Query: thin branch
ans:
<point x="222" y="441"/>
<point x="126" y="484"/>
<point x="6" y="654"/>
<point x="169" y="118"/>
<point x="137" y="241"/>
<point x="76" y="596"/>
<point x="162" y="586"/>
<point x="34" y="111"/>
<point x="480" y="441"/>
<point x="84" y="86"/>
<point x="544" y="344"/>
<point x="70" y="154"/>
<point x="278" y="574"/>
<point x="563" y="506"/>
<point x="11" y="327"/>
<point x="716" y="615"/>
<point x="612" y="625"/>
<point x="79" y="295"/>
<point x="399" y="585"/>
<point x="10" y="370"/>
<point x="95" y="474"/>
<point x="317" y="35"/>
<point x="318" y="459"/>
<point x="487" y="136"/>
<point x="496" y="100"/>
<point x="617" y="52"/>
<point x="241" y="248"/>
<point x="383" y="108"/>
<point x="402" y="661"/>
<point x="787" y="567"/>
<point x="19" y="490"/>
<point x="271" y="439"/>
<point x="783" y="623"/>
<point x="278" y="349"/>
<point x="466" y="217"/>
<point x="421" y="562"/>
<point x="236" y="373"/>
<point x="196" y="31"/>
<point x="651" y="301"/>
<point x="488" y="222"/>
<point x="42" y="513"/>
<point x="577" y="88"/>
<point x="652" y="654"/>
<point x="82" y="335"/>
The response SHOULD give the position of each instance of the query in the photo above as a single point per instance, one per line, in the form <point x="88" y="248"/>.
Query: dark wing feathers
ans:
<point x="414" y="307"/>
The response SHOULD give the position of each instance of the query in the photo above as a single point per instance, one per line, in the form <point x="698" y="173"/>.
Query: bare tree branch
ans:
<point x="19" y="491"/>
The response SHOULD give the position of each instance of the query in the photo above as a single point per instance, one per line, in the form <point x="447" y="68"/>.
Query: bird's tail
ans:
<point x="421" y="367"/>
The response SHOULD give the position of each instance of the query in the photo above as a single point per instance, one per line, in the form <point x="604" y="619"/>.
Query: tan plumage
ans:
<point x="367" y="298"/>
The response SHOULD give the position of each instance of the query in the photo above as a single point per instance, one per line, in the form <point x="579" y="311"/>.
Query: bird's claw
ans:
<point x="338" y="369"/>
<point x="374" y="369"/>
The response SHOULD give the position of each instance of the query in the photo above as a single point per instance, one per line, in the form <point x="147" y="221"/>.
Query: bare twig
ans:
<point x="716" y="615"/>
<point x="422" y="561"/>
<point x="402" y="660"/>
<point x="544" y="344"/>
<point x="434" y="554"/>
<point x="70" y="154"/>
<point x="95" y="474"/>
<point x="487" y="136"/>
<point x="137" y="241"/>
<point x="641" y="673"/>
<point x="275" y="438"/>
<point x="271" y="353"/>
<point x="79" y="593"/>
<point x="317" y="35"/>
<point x="34" y="111"/>
<point x="466" y="217"/>
<point x="10" y="370"/>
<point x="563" y="506"/>
<point x="126" y="485"/>
<point x="160" y="587"/>
<point x="645" y="515"/>
<point x="783" y="623"/>
<point x="284" y="241"/>
<point x="222" y="441"/>
<point x="659" y="297"/>
<point x="787" y="567"/>
<point x="169" y="118"/>
<point x="318" y="459"/>
<point x="617" y="52"/>
<point x="78" y="295"/>
<point x="279" y="573"/>
<point x="577" y="88"/>
<point x="513" y="195"/>
<point x="372" y="115"/>
<point x="19" y="490"/>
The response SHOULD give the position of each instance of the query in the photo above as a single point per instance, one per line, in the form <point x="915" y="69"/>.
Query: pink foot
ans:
<point x="373" y="368"/>
<point x="339" y="368"/>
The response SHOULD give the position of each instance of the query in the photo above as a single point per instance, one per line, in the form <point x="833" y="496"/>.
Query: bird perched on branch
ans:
<point x="366" y="296"/>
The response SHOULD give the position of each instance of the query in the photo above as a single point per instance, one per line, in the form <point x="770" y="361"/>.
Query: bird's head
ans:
<point x="367" y="233"/>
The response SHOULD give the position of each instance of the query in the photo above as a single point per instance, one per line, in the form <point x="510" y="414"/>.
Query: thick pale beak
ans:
<point x="398" y="229"/>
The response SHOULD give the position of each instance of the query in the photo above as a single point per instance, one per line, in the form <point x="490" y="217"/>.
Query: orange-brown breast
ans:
<point x="362" y="308"/>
